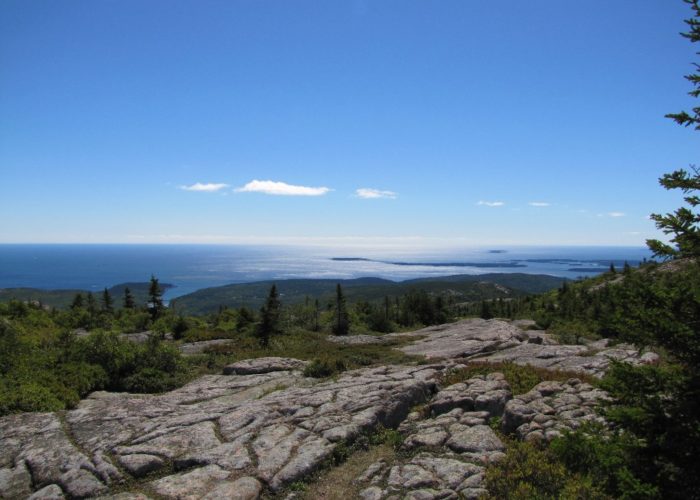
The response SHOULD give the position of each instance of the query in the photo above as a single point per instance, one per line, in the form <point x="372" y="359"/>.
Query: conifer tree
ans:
<point x="682" y="224"/>
<point x="107" y="302"/>
<point x="269" y="318"/>
<point x="91" y="305"/>
<point x="77" y="302"/>
<point x="244" y="318"/>
<point x="660" y="405"/>
<point x="341" y="323"/>
<point x="129" y="302"/>
<point x="155" y="301"/>
<point x="317" y="314"/>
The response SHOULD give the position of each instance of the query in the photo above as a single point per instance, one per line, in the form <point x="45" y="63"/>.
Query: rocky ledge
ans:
<point x="265" y="425"/>
<point x="496" y="341"/>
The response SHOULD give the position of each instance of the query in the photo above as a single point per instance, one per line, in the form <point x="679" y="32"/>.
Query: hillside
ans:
<point x="62" y="299"/>
<point x="462" y="287"/>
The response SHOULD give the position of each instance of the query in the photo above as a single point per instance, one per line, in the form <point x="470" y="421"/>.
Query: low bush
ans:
<point x="324" y="368"/>
<point x="528" y="472"/>
<point x="521" y="378"/>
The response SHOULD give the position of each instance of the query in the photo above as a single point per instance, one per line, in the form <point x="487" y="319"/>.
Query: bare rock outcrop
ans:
<point x="264" y="365"/>
<point x="452" y="445"/>
<point x="462" y="339"/>
<point x="263" y="425"/>
<point x="209" y="439"/>
<point x="200" y="347"/>
<point x="551" y="408"/>
<point x="482" y="393"/>
<point x="497" y="341"/>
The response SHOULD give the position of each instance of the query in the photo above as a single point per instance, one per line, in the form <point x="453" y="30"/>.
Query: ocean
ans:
<point x="192" y="267"/>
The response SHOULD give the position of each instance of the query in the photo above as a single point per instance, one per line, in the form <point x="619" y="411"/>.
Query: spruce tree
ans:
<point x="317" y="313"/>
<point x="659" y="406"/>
<point x="244" y="318"/>
<point x="269" y="318"/>
<point x="129" y="302"/>
<point x="77" y="302"/>
<point x="341" y="323"/>
<point x="682" y="224"/>
<point x="155" y="301"/>
<point x="91" y="305"/>
<point x="107" y="302"/>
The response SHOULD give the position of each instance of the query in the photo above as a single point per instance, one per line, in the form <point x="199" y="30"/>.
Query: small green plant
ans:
<point x="341" y="452"/>
<point x="324" y="368"/>
<point x="521" y="378"/>
<point x="298" y="486"/>
<point x="383" y="435"/>
<point x="572" y="332"/>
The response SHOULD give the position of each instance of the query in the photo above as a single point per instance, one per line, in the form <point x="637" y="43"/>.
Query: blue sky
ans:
<point x="464" y="122"/>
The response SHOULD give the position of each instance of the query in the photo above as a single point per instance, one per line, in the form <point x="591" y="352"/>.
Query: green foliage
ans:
<point x="341" y="321"/>
<point x="155" y="298"/>
<point x="529" y="473"/>
<point x="180" y="327"/>
<point x="572" y="331"/>
<point x="454" y="289"/>
<point x="45" y="368"/>
<point x="129" y="302"/>
<point x="321" y="368"/>
<point x="28" y="395"/>
<point x="605" y="458"/>
<point x="521" y="378"/>
<point x="107" y="302"/>
<point x="682" y="224"/>
<point x="384" y="435"/>
<point x="340" y="454"/>
<point x="269" y="324"/>
<point x="693" y="34"/>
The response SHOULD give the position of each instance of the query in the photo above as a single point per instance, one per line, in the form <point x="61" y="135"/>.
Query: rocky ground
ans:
<point x="263" y="426"/>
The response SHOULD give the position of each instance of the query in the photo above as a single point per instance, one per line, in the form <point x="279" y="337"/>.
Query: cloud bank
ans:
<point x="281" y="189"/>
<point x="204" y="187"/>
<point x="491" y="203"/>
<point x="538" y="204"/>
<point x="369" y="193"/>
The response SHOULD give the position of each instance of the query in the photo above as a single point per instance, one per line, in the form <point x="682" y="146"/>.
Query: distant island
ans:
<point x="436" y="264"/>
<point x="351" y="259"/>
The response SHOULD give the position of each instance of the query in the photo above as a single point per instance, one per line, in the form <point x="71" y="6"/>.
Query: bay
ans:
<point x="192" y="267"/>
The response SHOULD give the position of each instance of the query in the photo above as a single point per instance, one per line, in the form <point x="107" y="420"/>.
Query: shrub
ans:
<point x="16" y="396"/>
<point x="382" y="435"/>
<point x="605" y="457"/>
<point x="320" y="369"/>
<point x="521" y="378"/>
<point x="528" y="472"/>
<point x="148" y="380"/>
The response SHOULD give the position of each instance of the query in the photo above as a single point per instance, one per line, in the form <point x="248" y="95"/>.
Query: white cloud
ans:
<point x="369" y="193"/>
<point x="491" y="203"/>
<point x="539" y="204"/>
<point x="616" y="214"/>
<point x="281" y="189"/>
<point x="205" y="187"/>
